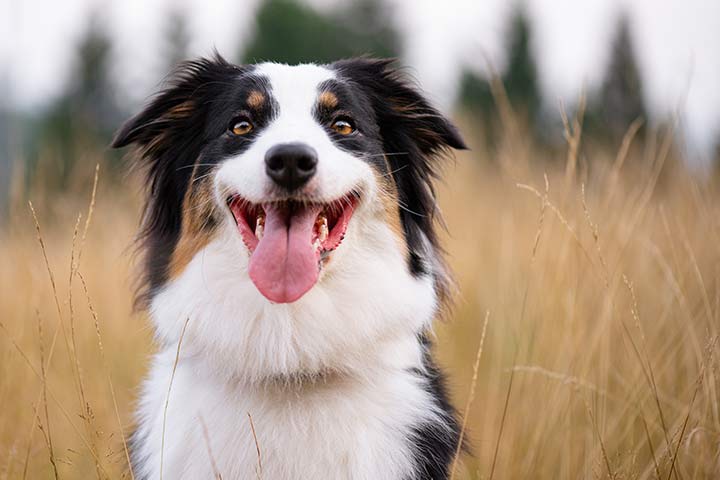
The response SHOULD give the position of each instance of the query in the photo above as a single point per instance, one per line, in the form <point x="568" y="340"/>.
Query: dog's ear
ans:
<point x="170" y="133"/>
<point x="178" y="105"/>
<point x="415" y="133"/>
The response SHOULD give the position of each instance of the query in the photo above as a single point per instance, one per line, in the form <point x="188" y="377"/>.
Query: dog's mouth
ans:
<point x="289" y="241"/>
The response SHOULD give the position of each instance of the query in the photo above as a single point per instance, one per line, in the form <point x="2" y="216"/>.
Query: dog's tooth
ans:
<point x="260" y="226"/>
<point x="316" y="244"/>
<point x="323" y="228"/>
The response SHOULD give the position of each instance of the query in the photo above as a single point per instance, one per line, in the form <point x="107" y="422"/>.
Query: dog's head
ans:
<point x="280" y="188"/>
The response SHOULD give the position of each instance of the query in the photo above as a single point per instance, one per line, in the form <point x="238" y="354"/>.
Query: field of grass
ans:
<point x="597" y="269"/>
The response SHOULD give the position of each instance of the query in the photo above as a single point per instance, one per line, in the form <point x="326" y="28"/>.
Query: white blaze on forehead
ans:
<point x="294" y="91"/>
<point x="294" y="87"/>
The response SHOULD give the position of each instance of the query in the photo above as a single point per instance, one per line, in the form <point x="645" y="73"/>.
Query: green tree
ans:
<point x="620" y="100"/>
<point x="519" y="78"/>
<point x="177" y="38"/>
<point x="475" y="94"/>
<point x="291" y="32"/>
<point x="84" y="116"/>
<point x="5" y="157"/>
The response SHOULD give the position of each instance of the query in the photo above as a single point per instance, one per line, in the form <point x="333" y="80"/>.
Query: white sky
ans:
<point x="678" y="42"/>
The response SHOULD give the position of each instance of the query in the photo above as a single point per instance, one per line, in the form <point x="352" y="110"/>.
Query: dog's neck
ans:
<point x="396" y="357"/>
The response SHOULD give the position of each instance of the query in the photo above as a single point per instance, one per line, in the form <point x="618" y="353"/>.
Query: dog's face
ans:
<point x="293" y="200"/>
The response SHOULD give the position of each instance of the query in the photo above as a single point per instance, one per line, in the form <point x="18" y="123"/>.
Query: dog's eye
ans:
<point x="240" y="126"/>
<point x="343" y="126"/>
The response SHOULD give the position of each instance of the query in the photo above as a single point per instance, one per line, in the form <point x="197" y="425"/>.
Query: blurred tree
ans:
<point x="620" y="100"/>
<point x="177" y="39"/>
<point x="91" y="90"/>
<point x="291" y="32"/>
<point x="475" y="93"/>
<point x="519" y="79"/>
<point x="369" y="23"/>
<point x="476" y="99"/>
<point x="5" y="157"/>
<point x="83" y="117"/>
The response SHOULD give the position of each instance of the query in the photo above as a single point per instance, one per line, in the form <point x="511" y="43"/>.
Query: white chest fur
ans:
<point x="345" y="428"/>
<point x="364" y="323"/>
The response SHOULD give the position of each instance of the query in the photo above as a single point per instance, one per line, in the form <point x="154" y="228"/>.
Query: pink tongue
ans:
<point x="284" y="265"/>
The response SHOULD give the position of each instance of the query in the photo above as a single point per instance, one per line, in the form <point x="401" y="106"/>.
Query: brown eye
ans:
<point x="241" y="127"/>
<point x="343" y="127"/>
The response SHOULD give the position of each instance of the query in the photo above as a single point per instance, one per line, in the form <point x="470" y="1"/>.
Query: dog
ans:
<point x="292" y="271"/>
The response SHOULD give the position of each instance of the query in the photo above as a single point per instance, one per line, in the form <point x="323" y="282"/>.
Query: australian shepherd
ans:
<point x="292" y="273"/>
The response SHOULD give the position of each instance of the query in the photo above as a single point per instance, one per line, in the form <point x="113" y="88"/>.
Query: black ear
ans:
<point x="416" y="133"/>
<point x="170" y="133"/>
<point x="178" y="104"/>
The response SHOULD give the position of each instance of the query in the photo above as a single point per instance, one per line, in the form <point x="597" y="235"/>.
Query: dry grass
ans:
<point x="599" y="271"/>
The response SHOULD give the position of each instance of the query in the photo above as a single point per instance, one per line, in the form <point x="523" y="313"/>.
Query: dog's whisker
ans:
<point x="196" y="165"/>
<point x="391" y="154"/>
<point x="392" y="172"/>
<point x="197" y="179"/>
<point x="201" y="205"/>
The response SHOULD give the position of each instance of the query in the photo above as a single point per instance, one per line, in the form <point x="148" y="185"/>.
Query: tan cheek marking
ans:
<point x="328" y="100"/>
<point x="198" y="227"/>
<point x="256" y="99"/>
<point x="389" y="198"/>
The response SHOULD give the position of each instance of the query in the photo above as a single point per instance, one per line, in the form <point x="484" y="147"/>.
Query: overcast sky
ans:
<point x="678" y="42"/>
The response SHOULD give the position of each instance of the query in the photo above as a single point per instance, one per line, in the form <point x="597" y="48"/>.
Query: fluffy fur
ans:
<point x="339" y="383"/>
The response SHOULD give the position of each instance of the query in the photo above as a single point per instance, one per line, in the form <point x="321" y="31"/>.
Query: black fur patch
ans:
<point x="434" y="444"/>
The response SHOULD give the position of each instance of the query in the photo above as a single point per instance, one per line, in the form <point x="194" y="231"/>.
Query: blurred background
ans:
<point x="71" y="71"/>
<point x="584" y="223"/>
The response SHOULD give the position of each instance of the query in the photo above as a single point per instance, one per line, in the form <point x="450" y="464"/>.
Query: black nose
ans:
<point x="291" y="165"/>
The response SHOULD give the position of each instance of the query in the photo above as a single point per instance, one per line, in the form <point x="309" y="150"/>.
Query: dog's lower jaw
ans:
<point x="346" y="427"/>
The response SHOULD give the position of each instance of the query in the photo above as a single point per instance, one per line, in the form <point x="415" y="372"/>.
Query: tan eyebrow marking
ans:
<point x="328" y="100"/>
<point x="255" y="99"/>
